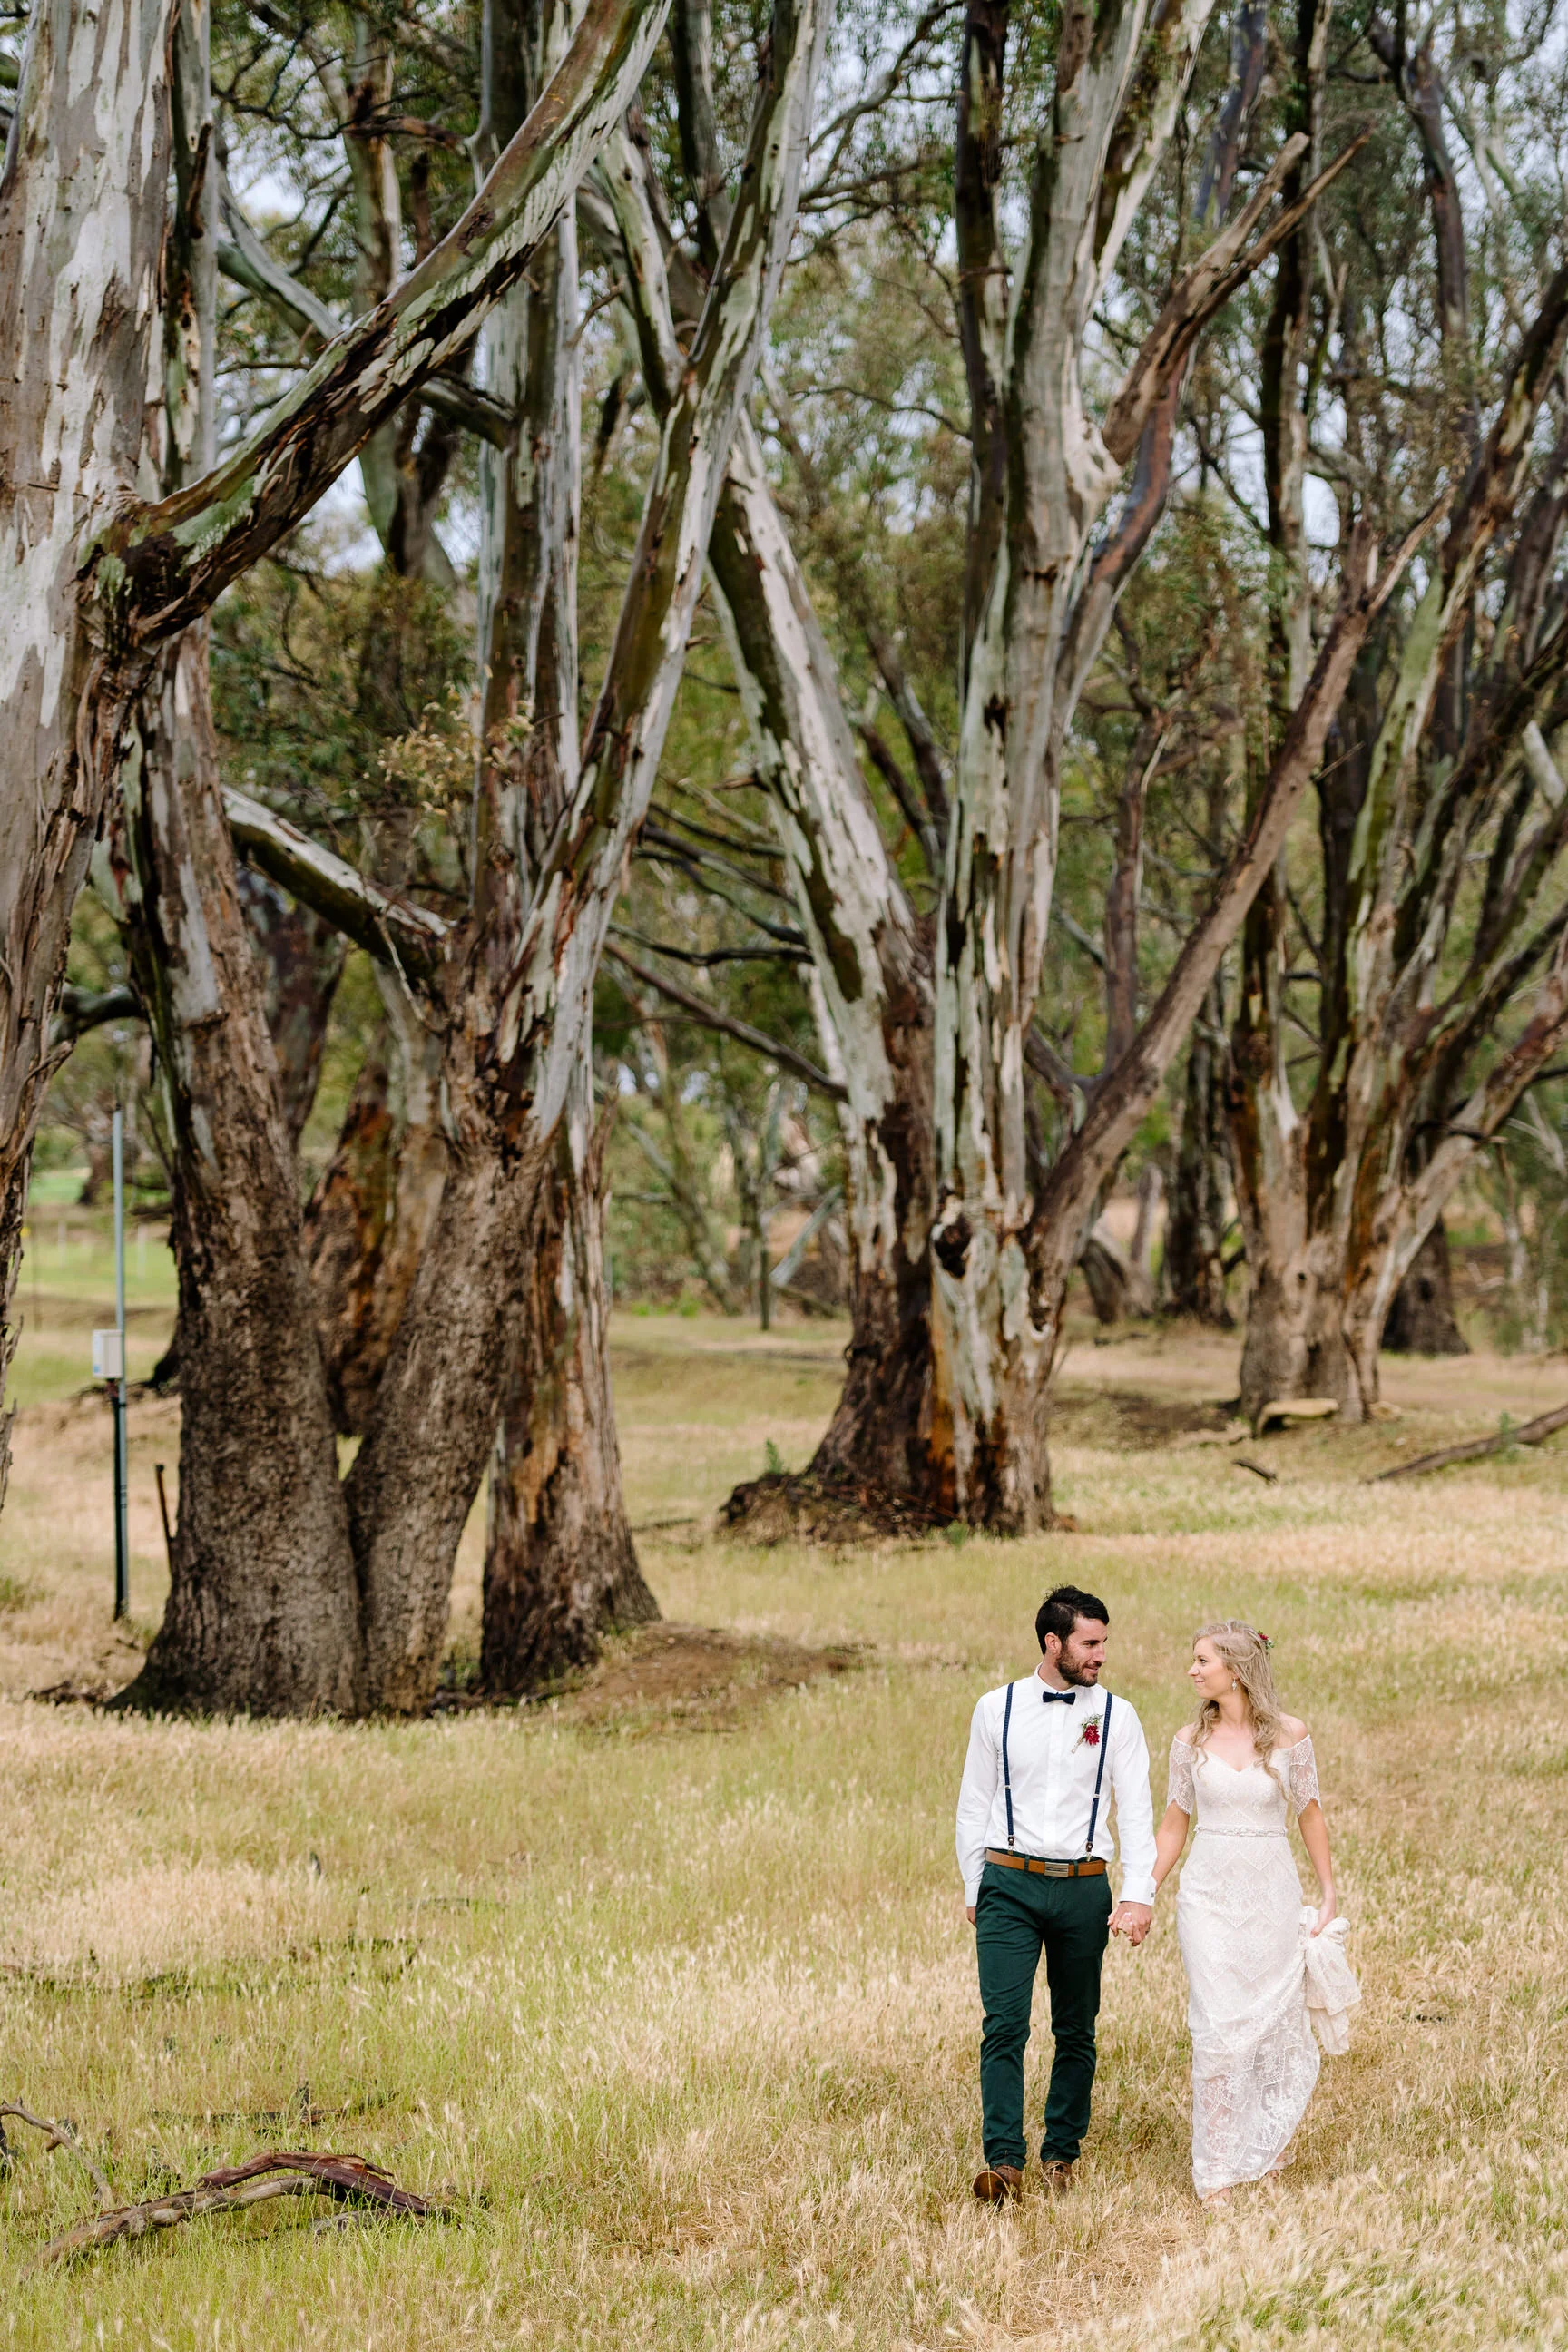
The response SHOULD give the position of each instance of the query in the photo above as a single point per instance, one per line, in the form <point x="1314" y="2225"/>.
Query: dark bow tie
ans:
<point x="1067" y="1697"/>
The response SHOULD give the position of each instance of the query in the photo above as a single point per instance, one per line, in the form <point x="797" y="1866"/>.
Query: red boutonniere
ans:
<point x="1089" y="1735"/>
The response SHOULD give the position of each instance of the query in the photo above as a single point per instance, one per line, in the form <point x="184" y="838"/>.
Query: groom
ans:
<point x="1048" y="1757"/>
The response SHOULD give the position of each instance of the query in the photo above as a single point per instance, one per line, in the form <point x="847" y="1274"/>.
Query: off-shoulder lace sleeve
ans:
<point x="1179" y="1788"/>
<point x="1303" y="1767"/>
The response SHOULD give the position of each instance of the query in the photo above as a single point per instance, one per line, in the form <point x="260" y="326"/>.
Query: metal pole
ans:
<point x="121" y="1467"/>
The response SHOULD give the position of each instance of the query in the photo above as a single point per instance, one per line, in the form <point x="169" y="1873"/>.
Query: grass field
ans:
<point x="677" y="2002"/>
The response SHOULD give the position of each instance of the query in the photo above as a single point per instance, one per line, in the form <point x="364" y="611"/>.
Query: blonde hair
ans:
<point x="1246" y="1652"/>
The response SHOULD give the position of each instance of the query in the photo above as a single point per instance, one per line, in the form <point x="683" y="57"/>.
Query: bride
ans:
<point x="1243" y="1767"/>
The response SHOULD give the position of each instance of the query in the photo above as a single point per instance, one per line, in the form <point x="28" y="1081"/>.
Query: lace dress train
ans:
<point x="1238" y="1919"/>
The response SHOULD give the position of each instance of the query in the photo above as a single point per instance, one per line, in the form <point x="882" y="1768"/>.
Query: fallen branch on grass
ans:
<point x="57" y="2134"/>
<point x="1269" y="1478"/>
<point x="277" y="2172"/>
<point x="1530" y="1432"/>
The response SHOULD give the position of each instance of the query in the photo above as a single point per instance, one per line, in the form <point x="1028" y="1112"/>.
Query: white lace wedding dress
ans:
<point x="1238" y="1918"/>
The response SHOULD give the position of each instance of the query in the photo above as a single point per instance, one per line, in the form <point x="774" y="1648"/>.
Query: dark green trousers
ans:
<point x="1018" y="1915"/>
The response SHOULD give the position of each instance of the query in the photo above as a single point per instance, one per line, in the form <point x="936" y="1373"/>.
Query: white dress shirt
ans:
<point x="1052" y="1770"/>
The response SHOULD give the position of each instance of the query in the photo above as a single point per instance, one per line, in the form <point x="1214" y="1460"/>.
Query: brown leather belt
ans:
<point x="1046" y="1869"/>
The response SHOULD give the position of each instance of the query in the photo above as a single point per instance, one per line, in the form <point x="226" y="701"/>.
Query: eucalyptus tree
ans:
<point x="955" y="1420"/>
<point x="511" y="982"/>
<point x="1435" y="927"/>
<point x="559" y="1563"/>
<point x="97" y="575"/>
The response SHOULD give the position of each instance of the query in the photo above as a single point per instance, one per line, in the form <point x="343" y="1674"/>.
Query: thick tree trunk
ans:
<point x="880" y="1437"/>
<point x="79" y="317"/>
<point x="871" y="967"/>
<point x="560" y="1568"/>
<point x="560" y="1564"/>
<point x="416" y="1475"/>
<point x="1422" y="1321"/>
<point x="528" y="975"/>
<point x="262" y="1612"/>
<point x="1194" y="1227"/>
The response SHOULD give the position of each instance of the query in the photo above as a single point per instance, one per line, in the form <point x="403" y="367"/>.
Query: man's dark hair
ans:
<point x="1060" y="1611"/>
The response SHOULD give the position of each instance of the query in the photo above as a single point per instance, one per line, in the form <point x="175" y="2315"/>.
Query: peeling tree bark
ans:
<point x="559" y="1565"/>
<point x="1337" y="1200"/>
<point x="1003" y="1243"/>
<point x="82" y="201"/>
<point x="370" y="1215"/>
<point x="529" y="971"/>
<point x="262" y="1612"/>
<point x="871" y="983"/>
<point x="300" y="959"/>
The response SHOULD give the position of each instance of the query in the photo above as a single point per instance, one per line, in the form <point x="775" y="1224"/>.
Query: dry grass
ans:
<point x="680" y="2006"/>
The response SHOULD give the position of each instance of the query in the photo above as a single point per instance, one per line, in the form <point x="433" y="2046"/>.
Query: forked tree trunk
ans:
<point x="1039" y="600"/>
<point x="527" y="968"/>
<point x="871" y="967"/>
<point x="560" y="1568"/>
<point x="262" y="1612"/>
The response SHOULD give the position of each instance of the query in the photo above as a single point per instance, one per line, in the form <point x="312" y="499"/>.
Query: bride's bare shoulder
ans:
<point x="1188" y="1734"/>
<point x="1295" y="1730"/>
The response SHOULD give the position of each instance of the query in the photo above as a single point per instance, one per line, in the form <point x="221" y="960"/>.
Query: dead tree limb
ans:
<point x="235" y="2188"/>
<point x="1530" y="1432"/>
<point x="61" y="2134"/>
<point x="727" y="1025"/>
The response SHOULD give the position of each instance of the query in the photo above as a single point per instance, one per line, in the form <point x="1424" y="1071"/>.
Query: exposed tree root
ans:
<point x="798" y="1506"/>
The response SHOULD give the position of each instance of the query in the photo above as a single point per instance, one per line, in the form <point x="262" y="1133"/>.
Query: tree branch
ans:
<point x="392" y="930"/>
<point x="728" y="1026"/>
<point x="161" y="567"/>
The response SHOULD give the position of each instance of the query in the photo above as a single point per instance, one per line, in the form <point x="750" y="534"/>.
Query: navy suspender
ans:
<point x="1007" y="1776"/>
<point x="1099" y="1777"/>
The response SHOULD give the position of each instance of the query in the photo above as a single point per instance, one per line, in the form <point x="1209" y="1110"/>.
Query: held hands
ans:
<point x="1132" y="1920"/>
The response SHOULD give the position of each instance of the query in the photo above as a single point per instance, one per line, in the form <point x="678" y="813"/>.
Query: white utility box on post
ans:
<point x="107" y="1356"/>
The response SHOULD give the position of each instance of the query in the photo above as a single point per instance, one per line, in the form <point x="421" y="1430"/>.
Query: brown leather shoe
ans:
<point x="995" y="2183"/>
<point x="1059" y="2175"/>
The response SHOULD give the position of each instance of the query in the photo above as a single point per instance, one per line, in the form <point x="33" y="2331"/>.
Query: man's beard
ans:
<point x="1083" y="1677"/>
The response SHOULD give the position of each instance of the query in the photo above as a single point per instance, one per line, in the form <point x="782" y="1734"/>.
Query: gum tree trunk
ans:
<point x="1442" y="770"/>
<point x="79" y="317"/>
<point x="1039" y="598"/>
<point x="262" y="1613"/>
<point x="871" y="967"/>
<point x="528" y="994"/>
<point x="559" y="1565"/>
